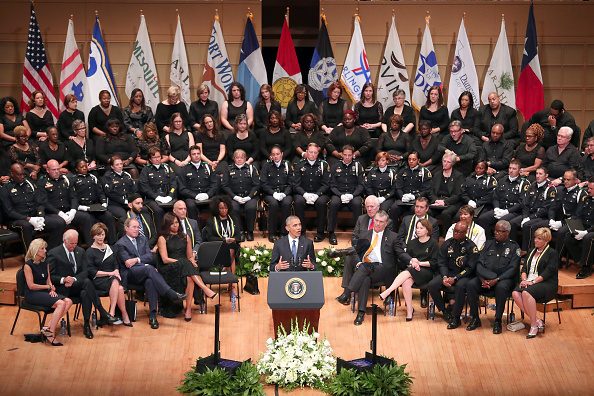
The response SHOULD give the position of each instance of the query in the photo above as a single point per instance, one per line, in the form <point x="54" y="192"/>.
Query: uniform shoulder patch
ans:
<point x="475" y="250"/>
<point x="518" y="252"/>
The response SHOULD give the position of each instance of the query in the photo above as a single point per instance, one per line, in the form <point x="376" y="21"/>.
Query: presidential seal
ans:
<point x="295" y="288"/>
<point x="283" y="89"/>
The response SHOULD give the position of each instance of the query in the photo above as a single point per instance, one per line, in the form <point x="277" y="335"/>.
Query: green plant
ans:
<point x="380" y="381"/>
<point x="218" y="382"/>
<point x="254" y="261"/>
<point x="330" y="267"/>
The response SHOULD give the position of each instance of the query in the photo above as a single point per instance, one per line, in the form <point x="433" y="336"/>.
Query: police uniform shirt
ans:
<point x="499" y="260"/>
<point x="479" y="189"/>
<point x="586" y="213"/>
<point x="566" y="204"/>
<point x="538" y="200"/>
<point x="57" y="194"/>
<point x="157" y="180"/>
<point x="276" y="177"/>
<point x="509" y="192"/>
<point x="347" y="178"/>
<point x="87" y="189"/>
<point x="457" y="258"/>
<point x="475" y="233"/>
<point x="118" y="186"/>
<point x="242" y="181"/>
<point x="20" y="200"/>
<point x="197" y="178"/>
<point x="312" y="177"/>
<point x="416" y="181"/>
<point x="381" y="182"/>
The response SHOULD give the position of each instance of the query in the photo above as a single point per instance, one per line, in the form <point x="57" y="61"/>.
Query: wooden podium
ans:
<point x="293" y="295"/>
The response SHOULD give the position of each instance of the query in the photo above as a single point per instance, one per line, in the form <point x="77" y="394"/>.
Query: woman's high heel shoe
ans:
<point x="53" y="342"/>
<point x="540" y="324"/>
<point x="214" y="296"/>
<point x="533" y="332"/>
<point x="411" y="316"/>
<point x="47" y="332"/>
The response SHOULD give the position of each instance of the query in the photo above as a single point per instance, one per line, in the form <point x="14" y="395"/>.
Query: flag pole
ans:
<point x="323" y="16"/>
<point x="217" y="14"/>
<point x="250" y="15"/>
<point x="141" y="13"/>
<point x="71" y="17"/>
<point x="427" y="18"/>
<point x="503" y="17"/>
<point x="287" y="16"/>
<point x="357" y="14"/>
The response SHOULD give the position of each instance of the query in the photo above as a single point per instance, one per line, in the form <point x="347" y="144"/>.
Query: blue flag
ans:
<point x="99" y="75"/>
<point x="251" y="72"/>
<point x="322" y="69"/>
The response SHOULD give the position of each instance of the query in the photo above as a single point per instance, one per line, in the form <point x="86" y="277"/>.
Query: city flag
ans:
<point x="530" y="96"/>
<point x="251" y="72"/>
<point x="99" y="75"/>
<point x="286" y="73"/>
<point x="355" y="72"/>
<point x="73" y="79"/>
<point x="393" y="74"/>
<point x="322" y="69"/>
<point x="180" y="71"/>
<point x="427" y="74"/>
<point x="218" y="74"/>
<point x="500" y="75"/>
<point x="463" y="77"/>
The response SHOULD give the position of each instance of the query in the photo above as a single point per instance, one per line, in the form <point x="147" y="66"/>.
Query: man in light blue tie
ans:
<point x="293" y="252"/>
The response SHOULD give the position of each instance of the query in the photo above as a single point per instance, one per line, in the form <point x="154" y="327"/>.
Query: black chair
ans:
<point x="6" y="237"/>
<point x="212" y="255"/>
<point x="20" y="279"/>
<point x="544" y="304"/>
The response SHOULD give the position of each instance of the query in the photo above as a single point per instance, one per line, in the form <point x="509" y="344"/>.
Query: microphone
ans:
<point x="340" y="252"/>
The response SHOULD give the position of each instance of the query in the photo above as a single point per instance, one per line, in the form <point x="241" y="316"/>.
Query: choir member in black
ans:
<point x="588" y="133"/>
<point x="445" y="192"/>
<point x="39" y="117"/>
<point x="100" y="114"/>
<point x="469" y="117"/>
<point x="309" y="133"/>
<point x="507" y="198"/>
<point x="104" y="271"/>
<point x="198" y="182"/>
<point x="587" y="162"/>
<point x="10" y="118"/>
<point x="59" y="200"/>
<point x="67" y="117"/>
<point x="89" y="191"/>
<point x="539" y="279"/>
<point x="395" y="141"/>
<point x="402" y="109"/>
<point x="562" y="156"/>
<point x="413" y="181"/>
<point x="235" y="105"/>
<point x="137" y="114"/>
<point x="369" y="111"/>
<point x="242" y="183"/>
<point x="312" y="188"/>
<point x="456" y="262"/>
<point x="477" y="189"/>
<point x="117" y="142"/>
<point x="332" y="108"/>
<point x="381" y="181"/>
<point x="149" y="138"/>
<point x="497" y="152"/>
<point x="24" y="153"/>
<point x="348" y="134"/>
<point x="531" y="153"/>
<point x="297" y="107"/>
<point x="118" y="185"/>
<point x="435" y="110"/>
<point x="158" y="184"/>
<point x="80" y="146"/>
<point x="39" y="289"/>
<point x="202" y="107"/>
<point x="53" y="148"/>
<point x="179" y="141"/>
<point x="427" y="146"/>
<point x="496" y="112"/>
<point x="346" y="184"/>
<point x="552" y="120"/>
<point x="212" y="144"/>
<point x="243" y="139"/>
<point x="24" y="209"/>
<point x="277" y="193"/>
<point x="275" y="135"/>
<point x="178" y="264"/>
<point x="460" y="144"/>
<point x="266" y="105"/>
<point x="168" y="107"/>
<point x="420" y="258"/>
<point x="496" y="274"/>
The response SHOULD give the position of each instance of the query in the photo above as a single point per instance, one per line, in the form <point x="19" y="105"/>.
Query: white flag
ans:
<point x="463" y="77"/>
<point x="218" y="74"/>
<point x="142" y="72"/>
<point x="500" y="75"/>
<point x="355" y="72"/>
<point x="393" y="74"/>
<point x="180" y="72"/>
<point x="427" y="74"/>
<point x="73" y="79"/>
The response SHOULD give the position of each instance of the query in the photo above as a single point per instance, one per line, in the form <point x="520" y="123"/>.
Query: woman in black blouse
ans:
<point x="24" y="153"/>
<point x="119" y="143"/>
<point x="299" y="106"/>
<point x="212" y="143"/>
<point x="309" y="133"/>
<point x="436" y="112"/>
<point x="149" y="138"/>
<point x="67" y="117"/>
<point x="39" y="117"/>
<point x="395" y="141"/>
<point x="266" y="104"/>
<point x="350" y="134"/>
<point x="179" y="141"/>
<point x="243" y="139"/>
<point x="100" y="114"/>
<point x="469" y="117"/>
<point x="10" y="118"/>
<point x="400" y="107"/>
<point x="426" y="145"/>
<point x="369" y="111"/>
<point x="234" y="106"/>
<point x="168" y="107"/>
<point x="137" y="114"/>
<point x="332" y="108"/>
<point x="202" y="107"/>
<point x="81" y="147"/>
<point x="275" y="134"/>
<point x="54" y="149"/>
<point x="531" y="153"/>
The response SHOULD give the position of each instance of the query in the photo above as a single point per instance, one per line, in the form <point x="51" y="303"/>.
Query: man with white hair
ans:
<point x="562" y="156"/>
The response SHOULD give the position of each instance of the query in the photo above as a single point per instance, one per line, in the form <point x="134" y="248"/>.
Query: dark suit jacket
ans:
<point x="60" y="266"/>
<point x="150" y="231"/>
<point x="405" y="232"/>
<point x="125" y="250"/>
<point x="193" y="231"/>
<point x="548" y="266"/>
<point x="363" y="225"/>
<point x="388" y="251"/>
<point x="281" y="248"/>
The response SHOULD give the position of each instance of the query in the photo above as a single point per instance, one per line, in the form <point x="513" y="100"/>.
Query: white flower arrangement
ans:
<point x="255" y="261"/>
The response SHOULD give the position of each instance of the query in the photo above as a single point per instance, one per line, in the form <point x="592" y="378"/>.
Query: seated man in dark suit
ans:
<point x="293" y="252"/>
<point x="135" y="267"/>
<point x="140" y="213"/>
<point x="68" y="270"/>
<point x="190" y="226"/>
<point x="378" y="263"/>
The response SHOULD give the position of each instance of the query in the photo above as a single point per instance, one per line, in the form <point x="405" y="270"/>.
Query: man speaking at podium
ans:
<point x="293" y="252"/>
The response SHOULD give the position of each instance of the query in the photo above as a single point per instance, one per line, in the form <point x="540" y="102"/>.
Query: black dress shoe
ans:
<point x="271" y="238"/>
<point x="497" y="326"/>
<point x="474" y="323"/>
<point x="87" y="332"/>
<point x="154" y="323"/>
<point x="179" y="297"/>
<point x="584" y="272"/>
<point x="109" y="319"/>
<point x="359" y="319"/>
<point x="344" y="299"/>
<point x="332" y="239"/>
<point x="454" y="324"/>
<point x="448" y="316"/>
<point x="250" y="236"/>
<point x="319" y="237"/>
<point x="424" y="299"/>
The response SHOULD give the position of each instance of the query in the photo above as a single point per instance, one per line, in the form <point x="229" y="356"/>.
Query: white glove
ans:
<point x="283" y="196"/>
<point x="277" y="196"/>
<point x="160" y="199"/>
<point x="314" y="198"/>
<point x="405" y="198"/>
<point x="308" y="198"/>
<point x="345" y="198"/>
<point x="202" y="197"/>
<point x="83" y="208"/>
<point x="64" y="217"/>
<point x="524" y="221"/>
<point x="580" y="235"/>
<point x="246" y="199"/>
<point x="104" y="204"/>
<point x="497" y="213"/>
<point x="167" y="199"/>
<point x="71" y="213"/>
<point x="37" y="223"/>
<point x="381" y="200"/>
<point x="503" y="212"/>
<point x="555" y="225"/>
<point x="238" y="199"/>
<point x="126" y="201"/>
<point x="472" y="203"/>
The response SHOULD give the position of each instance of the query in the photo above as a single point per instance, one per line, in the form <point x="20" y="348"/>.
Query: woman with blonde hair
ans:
<point x="202" y="106"/>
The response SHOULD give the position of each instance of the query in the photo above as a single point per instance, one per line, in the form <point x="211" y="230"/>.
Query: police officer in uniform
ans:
<point x="158" y="184"/>
<point x="346" y="184"/>
<point x="496" y="274"/>
<point x="59" y="200"/>
<point x="312" y="188"/>
<point x="22" y="205"/>
<point x="275" y="183"/>
<point x="413" y="181"/>
<point x="457" y="262"/>
<point x="198" y="183"/>
<point x="241" y="182"/>
<point x="381" y="181"/>
<point x="118" y="185"/>
<point x="477" y="189"/>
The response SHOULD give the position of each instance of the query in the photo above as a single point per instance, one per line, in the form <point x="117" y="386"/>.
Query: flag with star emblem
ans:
<point x="73" y="79"/>
<point x="36" y="72"/>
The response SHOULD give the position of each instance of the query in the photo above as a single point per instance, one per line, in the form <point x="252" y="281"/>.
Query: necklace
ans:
<point x="100" y="249"/>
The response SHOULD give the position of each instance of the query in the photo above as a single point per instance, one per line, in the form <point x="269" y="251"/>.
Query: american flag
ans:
<point x="36" y="73"/>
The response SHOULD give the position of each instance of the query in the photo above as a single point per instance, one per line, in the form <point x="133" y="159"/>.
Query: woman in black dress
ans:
<point x="309" y="133"/>
<point x="10" y="118"/>
<point x="469" y="117"/>
<point x="149" y="138"/>
<point x="39" y="289"/>
<point x="53" y="149"/>
<point x="531" y="153"/>
<point x="426" y="145"/>
<point x="100" y="114"/>
<point x="266" y="104"/>
<point x="167" y="108"/>
<point x="234" y="106"/>
<point x="137" y="114"/>
<point x="275" y="135"/>
<point x="420" y="258"/>
<point x="243" y="139"/>
<point x="39" y="117"/>
<point x="117" y="142"/>
<point x="396" y="142"/>
<point x="332" y="108"/>
<point x="67" y="117"/>
<point x="299" y="106"/>
<point x="178" y="262"/>
<point x="348" y="133"/>
<point x="212" y="143"/>
<point x="401" y="108"/>
<point x="104" y="272"/>
<point x="539" y="279"/>
<point x="202" y="107"/>
<point x="80" y="146"/>
<point x="179" y="141"/>
<point x="369" y="111"/>
<point x="436" y="112"/>
<point x="24" y="153"/>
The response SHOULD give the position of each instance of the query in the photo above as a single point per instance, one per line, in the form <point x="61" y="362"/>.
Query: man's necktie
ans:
<point x="294" y="250"/>
<point x="371" y="225"/>
<point x="415" y="236"/>
<point x="371" y="247"/>
<point x="135" y="245"/>
<point x="72" y="261"/>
